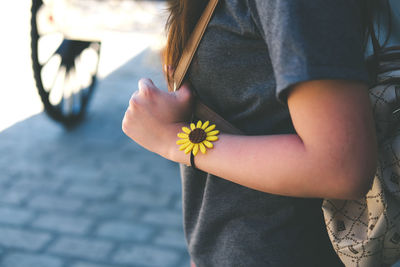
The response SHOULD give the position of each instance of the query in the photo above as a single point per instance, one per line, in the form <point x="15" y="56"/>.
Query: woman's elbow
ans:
<point x="358" y="178"/>
<point x="360" y="186"/>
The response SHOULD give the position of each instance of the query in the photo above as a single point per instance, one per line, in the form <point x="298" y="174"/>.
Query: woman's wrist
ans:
<point x="193" y="140"/>
<point x="171" y="149"/>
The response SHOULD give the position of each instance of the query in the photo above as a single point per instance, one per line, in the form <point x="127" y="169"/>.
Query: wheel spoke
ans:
<point x="75" y="92"/>
<point x="56" y="91"/>
<point x="68" y="92"/>
<point x="48" y="46"/>
<point x="84" y="70"/>
<point x="49" y="72"/>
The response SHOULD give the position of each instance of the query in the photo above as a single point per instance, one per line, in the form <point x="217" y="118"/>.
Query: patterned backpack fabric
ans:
<point x="366" y="232"/>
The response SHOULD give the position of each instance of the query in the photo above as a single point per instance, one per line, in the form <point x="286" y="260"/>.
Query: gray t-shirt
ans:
<point x="250" y="55"/>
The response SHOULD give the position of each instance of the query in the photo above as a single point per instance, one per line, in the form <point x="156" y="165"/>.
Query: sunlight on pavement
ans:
<point x="117" y="49"/>
<point x="18" y="96"/>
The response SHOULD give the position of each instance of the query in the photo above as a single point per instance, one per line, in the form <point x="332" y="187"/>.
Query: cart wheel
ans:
<point x="64" y="71"/>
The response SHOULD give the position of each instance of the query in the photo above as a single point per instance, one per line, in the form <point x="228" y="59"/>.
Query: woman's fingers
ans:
<point x="149" y="101"/>
<point x="134" y="95"/>
<point x="147" y="87"/>
<point x="145" y="82"/>
<point x="134" y="100"/>
<point x="146" y="91"/>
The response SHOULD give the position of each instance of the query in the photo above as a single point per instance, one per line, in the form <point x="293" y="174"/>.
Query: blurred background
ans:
<point x="73" y="192"/>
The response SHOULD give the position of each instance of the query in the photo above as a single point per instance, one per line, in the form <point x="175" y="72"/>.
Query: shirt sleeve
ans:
<point x="311" y="40"/>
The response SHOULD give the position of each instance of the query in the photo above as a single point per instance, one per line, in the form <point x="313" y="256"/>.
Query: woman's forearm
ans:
<point x="278" y="164"/>
<point x="333" y="153"/>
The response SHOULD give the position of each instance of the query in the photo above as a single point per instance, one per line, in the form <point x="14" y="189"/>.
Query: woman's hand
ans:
<point x="154" y="117"/>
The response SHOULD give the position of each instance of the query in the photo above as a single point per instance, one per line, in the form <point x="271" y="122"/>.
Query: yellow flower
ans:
<point x="198" y="137"/>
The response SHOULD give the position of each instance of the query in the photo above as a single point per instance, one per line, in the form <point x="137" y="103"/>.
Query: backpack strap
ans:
<point x="201" y="110"/>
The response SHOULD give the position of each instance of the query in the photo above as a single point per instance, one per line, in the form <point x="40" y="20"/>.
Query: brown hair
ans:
<point x="183" y="17"/>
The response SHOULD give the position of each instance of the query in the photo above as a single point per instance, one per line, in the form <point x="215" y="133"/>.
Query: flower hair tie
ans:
<point x="198" y="137"/>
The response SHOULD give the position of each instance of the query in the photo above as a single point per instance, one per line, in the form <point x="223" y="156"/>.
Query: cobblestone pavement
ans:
<point x="90" y="197"/>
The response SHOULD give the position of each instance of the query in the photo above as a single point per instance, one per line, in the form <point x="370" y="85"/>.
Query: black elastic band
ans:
<point x="192" y="161"/>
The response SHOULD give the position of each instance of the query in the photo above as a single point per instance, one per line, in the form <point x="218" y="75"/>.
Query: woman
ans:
<point x="291" y="75"/>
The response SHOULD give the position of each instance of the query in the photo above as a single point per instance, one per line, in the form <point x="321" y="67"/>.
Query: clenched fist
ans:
<point x="154" y="117"/>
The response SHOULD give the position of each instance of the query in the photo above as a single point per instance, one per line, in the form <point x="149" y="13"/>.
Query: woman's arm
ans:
<point x="333" y="154"/>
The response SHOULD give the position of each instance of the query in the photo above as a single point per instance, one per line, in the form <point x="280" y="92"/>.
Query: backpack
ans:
<point x="366" y="232"/>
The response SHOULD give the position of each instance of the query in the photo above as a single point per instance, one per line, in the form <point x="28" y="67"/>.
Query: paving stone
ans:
<point x="63" y="223"/>
<point x="186" y="262"/>
<point x="131" y="178"/>
<point x="105" y="209"/>
<point x="126" y="159"/>
<point x="86" y="174"/>
<point x="166" y="169"/>
<point x="145" y="197"/>
<point x="170" y="182"/>
<point x="172" y="238"/>
<point x="37" y="184"/>
<point x="13" y="196"/>
<point x="125" y="231"/>
<point x="23" y="239"/>
<point x="148" y="256"/>
<point x="90" y="249"/>
<point x="178" y="202"/>
<point x="91" y="191"/>
<point x="163" y="217"/>
<point x="85" y="264"/>
<point x="17" y="216"/>
<point x="54" y="202"/>
<point x="30" y="260"/>
<point x="5" y="179"/>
